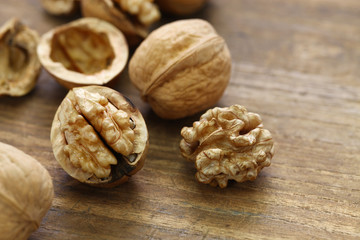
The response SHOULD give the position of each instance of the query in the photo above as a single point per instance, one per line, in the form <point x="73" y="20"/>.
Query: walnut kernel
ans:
<point x="181" y="68"/>
<point x="19" y="64"/>
<point x="227" y="143"/>
<point x="87" y="51"/>
<point x="132" y="17"/>
<point x="61" y="7"/>
<point x="26" y="193"/>
<point x="98" y="136"/>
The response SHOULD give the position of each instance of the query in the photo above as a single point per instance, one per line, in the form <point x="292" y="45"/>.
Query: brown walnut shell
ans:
<point x="227" y="144"/>
<point x="87" y="51"/>
<point x="26" y="193"/>
<point x="181" y="68"/>
<point x="98" y="136"/>
<point x="132" y="17"/>
<point x="180" y="7"/>
<point x="19" y="64"/>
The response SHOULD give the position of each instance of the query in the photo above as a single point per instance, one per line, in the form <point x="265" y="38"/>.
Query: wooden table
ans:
<point x="297" y="64"/>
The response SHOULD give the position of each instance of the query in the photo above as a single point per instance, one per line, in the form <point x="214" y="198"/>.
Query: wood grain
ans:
<point x="296" y="63"/>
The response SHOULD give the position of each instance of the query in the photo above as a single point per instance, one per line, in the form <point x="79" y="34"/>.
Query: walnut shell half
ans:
<point x="181" y="68"/>
<point x="132" y="17"/>
<point x="98" y="136"/>
<point x="227" y="143"/>
<point x="87" y="51"/>
<point x="19" y="64"/>
<point x="26" y="193"/>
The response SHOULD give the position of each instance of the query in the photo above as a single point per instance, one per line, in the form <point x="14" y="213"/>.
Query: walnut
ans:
<point x="26" y="193"/>
<point x="98" y="136"/>
<point x="180" y="7"/>
<point x="227" y="143"/>
<point x="87" y="51"/>
<point x="132" y="17"/>
<point x="19" y="64"/>
<point x="181" y="68"/>
<point x="61" y="7"/>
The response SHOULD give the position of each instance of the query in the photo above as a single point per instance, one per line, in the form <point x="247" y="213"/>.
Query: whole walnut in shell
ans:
<point x="98" y="136"/>
<point x="19" y="64"/>
<point x="181" y="68"/>
<point x="227" y="143"/>
<point x="26" y="193"/>
<point x="87" y="51"/>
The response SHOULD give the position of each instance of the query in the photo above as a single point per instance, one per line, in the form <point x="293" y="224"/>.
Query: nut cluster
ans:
<point x="227" y="143"/>
<point x="98" y="136"/>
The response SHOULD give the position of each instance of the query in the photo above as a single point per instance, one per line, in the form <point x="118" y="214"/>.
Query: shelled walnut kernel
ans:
<point x="98" y="136"/>
<point x="227" y="143"/>
<point x="61" y="7"/>
<point x="132" y="17"/>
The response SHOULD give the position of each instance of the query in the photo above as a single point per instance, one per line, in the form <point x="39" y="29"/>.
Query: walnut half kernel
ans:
<point x="61" y="7"/>
<point x="98" y="136"/>
<point x="227" y="144"/>
<point x="132" y="17"/>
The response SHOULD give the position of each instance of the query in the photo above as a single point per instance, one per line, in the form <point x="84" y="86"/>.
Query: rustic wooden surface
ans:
<point x="297" y="64"/>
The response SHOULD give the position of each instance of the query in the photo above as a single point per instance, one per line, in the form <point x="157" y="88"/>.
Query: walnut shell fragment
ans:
<point x="26" y="193"/>
<point x="87" y="51"/>
<point x="19" y="64"/>
<point x="132" y="17"/>
<point x="61" y="7"/>
<point x="181" y="68"/>
<point x="180" y="7"/>
<point x="98" y="136"/>
<point x="227" y="143"/>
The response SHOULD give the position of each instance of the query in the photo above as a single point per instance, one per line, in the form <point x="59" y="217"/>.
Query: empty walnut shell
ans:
<point x="180" y="7"/>
<point x="98" y="136"/>
<point x="181" y="68"/>
<point x="19" y="64"/>
<point x="26" y="193"/>
<point x="87" y="51"/>
<point x="227" y="143"/>
<point x="132" y="17"/>
<point x="61" y="7"/>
